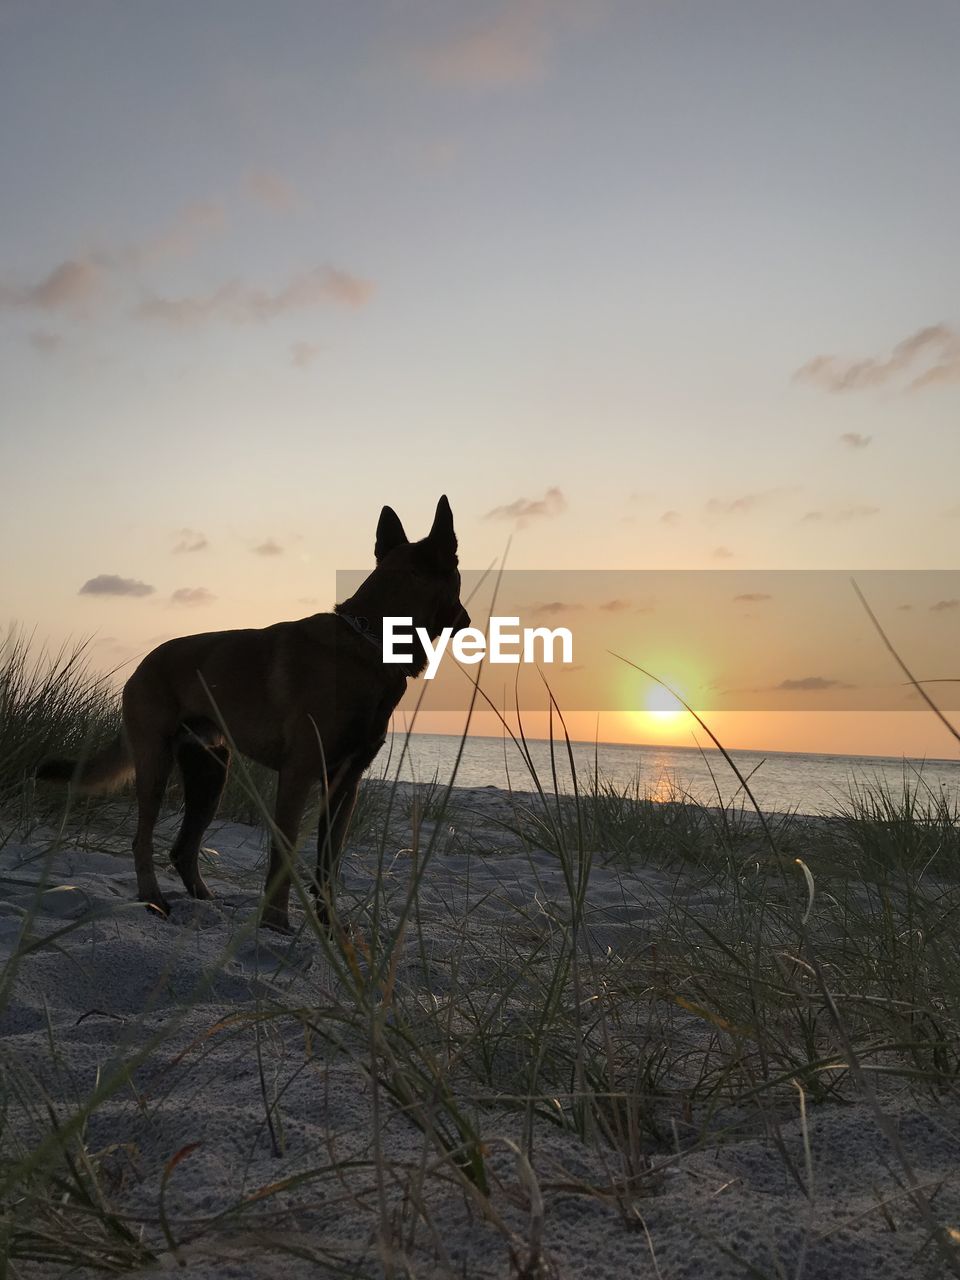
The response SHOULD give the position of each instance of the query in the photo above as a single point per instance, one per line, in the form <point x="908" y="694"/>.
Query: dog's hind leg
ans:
<point x="153" y="769"/>
<point x="203" y="759"/>
<point x="150" y="724"/>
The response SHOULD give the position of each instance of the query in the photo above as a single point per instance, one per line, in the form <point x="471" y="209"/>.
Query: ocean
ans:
<point x="782" y="781"/>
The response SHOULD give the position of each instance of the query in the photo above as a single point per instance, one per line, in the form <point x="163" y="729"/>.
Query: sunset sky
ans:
<point x="638" y="285"/>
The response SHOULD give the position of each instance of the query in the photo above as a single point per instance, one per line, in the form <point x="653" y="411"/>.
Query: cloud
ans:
<point x="505" y="43"/>
<point x="179" y="239"/>
<point x="751" y="597"/>
<point x="615" y="606"/>
<point x="44" y="342"/>
<point x="855" y="440"/>
<point x="738" y="506"/>
<point x="553" y="503"/>
<point x="268" y="548"/>
<point x="859" y="511"/>
<point x="70" y="284"/>
<point x="927" y="357"/>
<point x="78" y="281"/>
<point x="732" y="506"/>
<point x="840" y="515"/>
<point x="670" y="517"/>
<point x="190" y="540"/>
<point x="552" y="608"/>
<point x="115" y="649"/>
<point x="508" y="48"/>
<point x="192" y="596"/>
<point x="271" y="190"/>
<point x="303" y="354"/>
<point x="722" y="553"/>
<point x="109" y="584"/>
<point x="811" y="684"/>
<point x="113" y="274"/>
<point x="240" y="304"/>
<point x="942" y="606"/>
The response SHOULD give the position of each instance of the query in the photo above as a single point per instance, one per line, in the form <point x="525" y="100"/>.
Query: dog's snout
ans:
<point x="462" y="620"/>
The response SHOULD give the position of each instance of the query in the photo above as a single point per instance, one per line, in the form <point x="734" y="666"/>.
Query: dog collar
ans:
<point x="361" y="626"/>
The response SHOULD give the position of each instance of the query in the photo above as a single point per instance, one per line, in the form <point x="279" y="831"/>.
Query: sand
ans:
<point x="116" y="984"/>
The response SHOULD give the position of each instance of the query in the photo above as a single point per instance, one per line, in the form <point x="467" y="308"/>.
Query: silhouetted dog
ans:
<point x="311" y="699"/>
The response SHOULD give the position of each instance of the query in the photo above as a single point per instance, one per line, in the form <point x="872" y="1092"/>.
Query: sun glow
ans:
<point x="662" y="718"/>
<point x="662" y="705"/>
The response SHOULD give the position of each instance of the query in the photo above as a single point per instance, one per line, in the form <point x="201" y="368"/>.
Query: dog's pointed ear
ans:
<point x="441" y="539"/>
<point x="390" y="533"/>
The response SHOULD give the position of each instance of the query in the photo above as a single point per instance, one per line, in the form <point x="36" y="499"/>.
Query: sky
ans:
<point x="640" y="286"/>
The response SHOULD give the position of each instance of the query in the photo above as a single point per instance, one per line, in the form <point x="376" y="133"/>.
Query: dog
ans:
<point x="310" y="699"/>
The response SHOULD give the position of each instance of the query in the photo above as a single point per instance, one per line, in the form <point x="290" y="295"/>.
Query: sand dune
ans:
<point x="250" y="1055"/>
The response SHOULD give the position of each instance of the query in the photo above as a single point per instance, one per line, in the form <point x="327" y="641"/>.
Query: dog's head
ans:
<point x="420" y="579"/>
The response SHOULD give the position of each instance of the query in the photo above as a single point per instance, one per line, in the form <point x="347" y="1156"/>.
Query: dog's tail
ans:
<point x="108" y="770"/>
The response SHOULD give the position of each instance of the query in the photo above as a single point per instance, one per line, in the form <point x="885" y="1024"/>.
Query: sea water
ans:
<point x="780" y="780"/>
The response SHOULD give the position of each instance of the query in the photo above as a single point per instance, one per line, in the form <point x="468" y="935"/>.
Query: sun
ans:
<point x="662" y="718"/>
<point x="662" y="706"/>
<point x="656" y="714"/>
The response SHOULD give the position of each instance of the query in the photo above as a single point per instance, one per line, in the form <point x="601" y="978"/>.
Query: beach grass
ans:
<point x="493" y="1050"/>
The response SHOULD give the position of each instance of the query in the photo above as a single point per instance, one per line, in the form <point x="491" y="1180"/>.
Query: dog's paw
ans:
<point x="157" y="905"/>
<point x="275" y="919"/>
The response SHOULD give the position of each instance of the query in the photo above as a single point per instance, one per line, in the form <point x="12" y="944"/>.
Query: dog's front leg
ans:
<point x="332" y="832"/>
<point x="293" y="789"/>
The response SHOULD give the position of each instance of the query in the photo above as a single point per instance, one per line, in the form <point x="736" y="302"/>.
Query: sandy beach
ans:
<point x="520" y="393"/>
<point x="269" y="1106"/>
